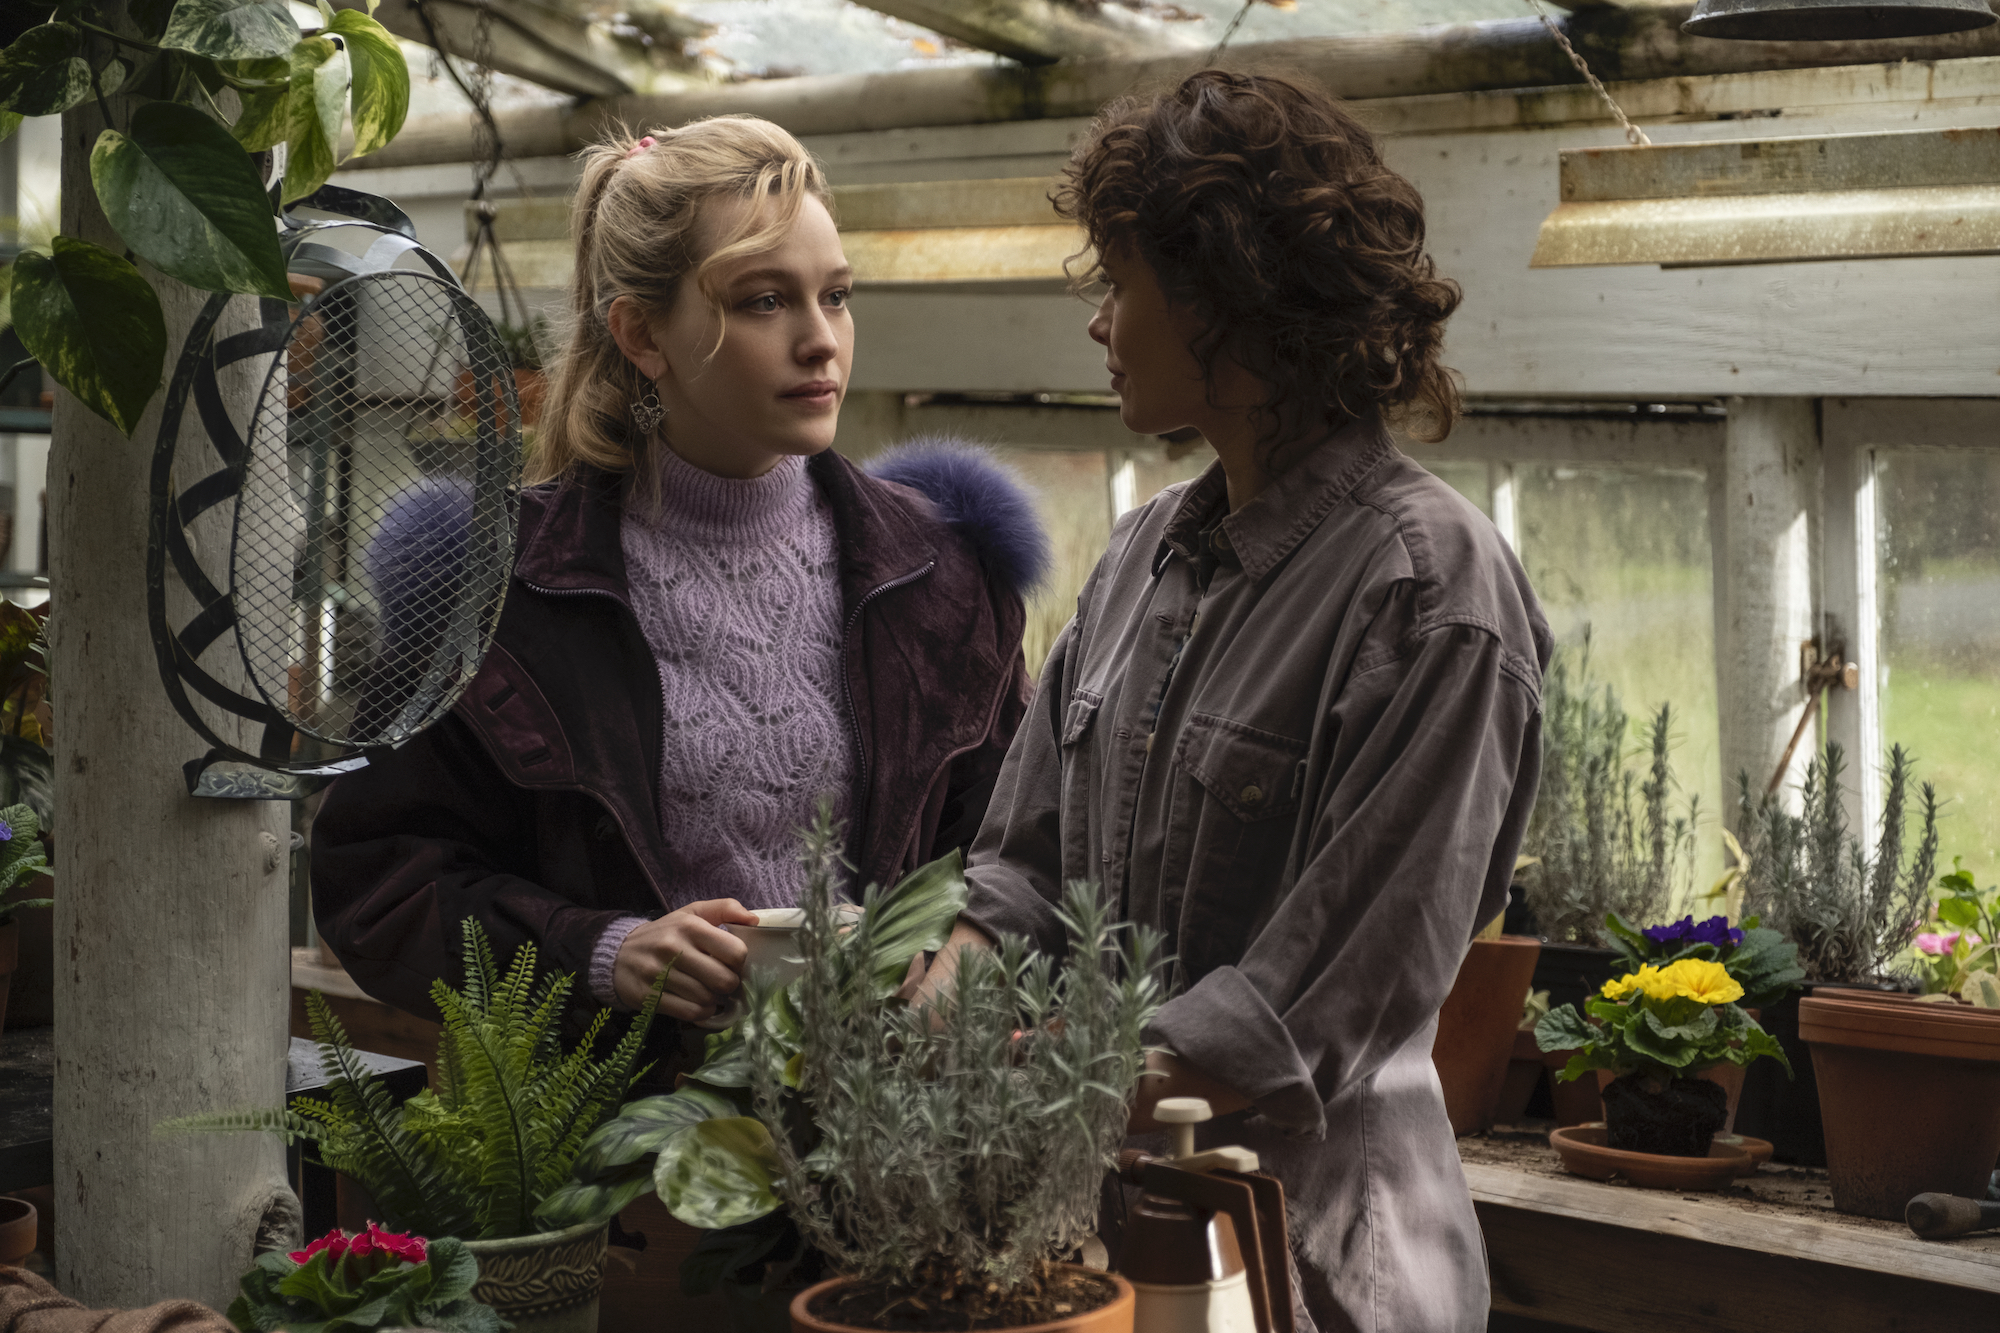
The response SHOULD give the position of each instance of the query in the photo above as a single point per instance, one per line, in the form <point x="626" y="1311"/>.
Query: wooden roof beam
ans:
<point x="1040" y="32"/>
<point x="539" y="43"/>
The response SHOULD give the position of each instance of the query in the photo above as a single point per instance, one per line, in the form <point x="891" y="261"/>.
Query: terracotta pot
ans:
<point x="17" y="1230"/>
<point x="1909" y="1095"/>
<point x="1476" y="1026"/>
<point x="531" y="386"/>
<point x="1585" y="1152"/>
<point x="1576" y="1103"/>
<point x="10" y="953"/>
<point x="1115" y="1316"/>
<point x="545" y="1283"/>
<point x="1524" y="1074"/>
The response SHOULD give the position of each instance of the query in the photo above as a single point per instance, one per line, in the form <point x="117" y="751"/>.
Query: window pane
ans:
<point x="1471" y="479"/>
<point x="1624" y="552"/>
<point x="1939" y="588"/>
<point x="1073" y="496"/>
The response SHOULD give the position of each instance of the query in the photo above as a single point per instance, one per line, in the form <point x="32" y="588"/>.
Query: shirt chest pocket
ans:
<point x="1083" y="706"/>
<point x="1254" y="774"/>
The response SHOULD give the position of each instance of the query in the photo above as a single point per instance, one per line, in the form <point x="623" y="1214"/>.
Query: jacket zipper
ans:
<point x="660" y="679"/>
<point x="847" y="681"/>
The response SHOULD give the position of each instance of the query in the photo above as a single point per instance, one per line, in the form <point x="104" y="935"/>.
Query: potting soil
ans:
<point x="1677" y="1120"/>
<point x="933" y="1308"/>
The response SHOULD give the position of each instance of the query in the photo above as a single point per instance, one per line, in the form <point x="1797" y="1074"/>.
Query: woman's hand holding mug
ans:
<point x="707" y="960"/>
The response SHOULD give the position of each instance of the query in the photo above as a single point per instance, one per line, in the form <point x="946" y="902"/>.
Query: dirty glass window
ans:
<point x="1938" y="589"/>
<point x="1623" y="553"/>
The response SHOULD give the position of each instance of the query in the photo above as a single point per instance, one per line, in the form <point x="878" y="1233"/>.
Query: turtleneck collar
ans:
<point x="700" y="504"/>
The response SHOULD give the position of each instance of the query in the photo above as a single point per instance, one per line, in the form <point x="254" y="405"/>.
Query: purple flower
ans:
<point x="6" y="831"/>
<point x="1716" y="931"/>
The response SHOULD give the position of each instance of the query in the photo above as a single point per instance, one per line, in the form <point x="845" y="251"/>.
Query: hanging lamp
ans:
<point x="1766" y="201"/>
<point x="1833" y="20"/>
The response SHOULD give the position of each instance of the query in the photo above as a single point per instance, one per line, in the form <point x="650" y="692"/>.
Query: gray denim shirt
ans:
<point x="1302" y="740"/>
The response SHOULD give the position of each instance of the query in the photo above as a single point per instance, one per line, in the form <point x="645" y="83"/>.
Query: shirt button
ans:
<point x="1107" y="858"/>
<point x="1252" y="794"/>
<point x="1220" y="540"/>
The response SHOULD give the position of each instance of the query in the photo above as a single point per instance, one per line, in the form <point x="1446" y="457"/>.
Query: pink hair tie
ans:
<point x="640" y="146"/>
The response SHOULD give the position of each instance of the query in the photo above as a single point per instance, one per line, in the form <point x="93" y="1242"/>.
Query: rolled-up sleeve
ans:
<point x="1013" y="876"/>
<point x="1434" y="763"/>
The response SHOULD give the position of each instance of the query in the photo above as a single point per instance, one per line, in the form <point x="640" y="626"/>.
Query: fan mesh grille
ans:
<point x="376" y="516"/>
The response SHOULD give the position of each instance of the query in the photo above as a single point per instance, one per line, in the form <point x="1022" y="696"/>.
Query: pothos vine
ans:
<point x="207" y="87"/>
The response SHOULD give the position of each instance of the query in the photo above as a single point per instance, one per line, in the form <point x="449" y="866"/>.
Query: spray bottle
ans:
<point x="1205" y="1248"/>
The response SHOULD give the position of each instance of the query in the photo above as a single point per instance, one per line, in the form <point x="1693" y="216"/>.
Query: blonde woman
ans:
<point x="714" y="621"/>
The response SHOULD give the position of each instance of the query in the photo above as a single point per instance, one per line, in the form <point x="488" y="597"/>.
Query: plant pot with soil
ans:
<point x="1909" y="1095"/>
<point x="1655" y="1032"/>
<point x="1477" y="1026"/>
<point x="1014" y="1086"/>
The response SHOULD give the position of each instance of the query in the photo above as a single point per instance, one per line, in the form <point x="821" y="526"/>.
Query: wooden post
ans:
<point x="1850" y="619"/>
<point x="170" y="912"/>
<point x="1771" y="466"/>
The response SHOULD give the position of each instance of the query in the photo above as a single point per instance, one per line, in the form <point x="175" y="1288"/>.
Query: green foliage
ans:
<point x="1657" y="1024"/>
<point x="231" y="29"/>
<point x="348" y="1293"/>
<point x="184" y="194"/>
<point x="176" y="180"/>
<point x="720" y="1177"/>
<point x="22" y="858"/>
<point x="479" y="1154"/>
<point x="1961" y="957"/>
<point x="1602" y="837"/>
<point x="95" y="325"/>
<point x="960" y="1147"/>
<point x="1850" y="914"/>
<point x="1763" y="962"/>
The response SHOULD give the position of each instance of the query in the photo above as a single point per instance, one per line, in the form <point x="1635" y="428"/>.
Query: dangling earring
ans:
<point x="648" y="412"/>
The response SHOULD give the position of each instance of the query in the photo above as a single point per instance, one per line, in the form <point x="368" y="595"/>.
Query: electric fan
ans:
<point x="337" y="563"/>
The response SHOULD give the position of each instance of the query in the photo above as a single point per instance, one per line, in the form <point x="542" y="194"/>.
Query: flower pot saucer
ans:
<point x="1757" y="1150"/>
<point x="1585" y="1152"/>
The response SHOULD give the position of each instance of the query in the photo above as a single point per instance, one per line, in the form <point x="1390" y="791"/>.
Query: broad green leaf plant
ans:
<point x="1959" y="957"/>
<point x="215" y="82"/>
<point x="703" y="1148"/>
<point x="1661" y="1023"/>
<point x="479" y="1155"/>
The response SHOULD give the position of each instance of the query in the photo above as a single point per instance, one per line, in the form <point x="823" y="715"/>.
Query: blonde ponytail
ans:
<point x="633" y="227"/>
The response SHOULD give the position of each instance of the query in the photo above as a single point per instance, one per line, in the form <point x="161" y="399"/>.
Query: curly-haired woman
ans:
<point x="1295" y="723"/>
<point x="714" y="621"/>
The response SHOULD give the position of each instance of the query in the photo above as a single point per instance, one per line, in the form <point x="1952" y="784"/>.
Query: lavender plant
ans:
<point x="955" y="1151"/>
<point x="1811" y="879"/>
<point x="1603" y="839"/>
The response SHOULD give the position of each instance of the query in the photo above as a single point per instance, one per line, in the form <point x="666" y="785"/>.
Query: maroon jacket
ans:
<point x="532" y="805"/>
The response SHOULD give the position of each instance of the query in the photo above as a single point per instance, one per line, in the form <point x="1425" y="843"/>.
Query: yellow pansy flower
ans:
<point x="1699" y="980"/>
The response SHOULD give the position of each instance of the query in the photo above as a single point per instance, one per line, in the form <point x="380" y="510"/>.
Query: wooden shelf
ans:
<point x="1767" y="1256"/>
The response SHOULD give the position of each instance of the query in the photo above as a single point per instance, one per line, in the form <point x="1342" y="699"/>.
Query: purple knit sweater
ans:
<point x="736" y="586"/>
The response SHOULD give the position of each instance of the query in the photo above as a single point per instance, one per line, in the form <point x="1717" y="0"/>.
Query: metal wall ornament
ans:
<point x="346" y="552"/>
<point x="1834" y="20"/>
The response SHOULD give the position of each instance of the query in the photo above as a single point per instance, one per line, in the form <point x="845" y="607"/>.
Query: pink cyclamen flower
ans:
<point x="1941" y="943"/>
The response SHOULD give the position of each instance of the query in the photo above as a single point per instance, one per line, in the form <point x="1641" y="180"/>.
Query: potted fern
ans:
<point x="475" y="1157"/>
<point x="949" y="1158"/>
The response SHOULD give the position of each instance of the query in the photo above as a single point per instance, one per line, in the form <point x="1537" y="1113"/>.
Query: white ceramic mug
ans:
<point x="773" y="949"/>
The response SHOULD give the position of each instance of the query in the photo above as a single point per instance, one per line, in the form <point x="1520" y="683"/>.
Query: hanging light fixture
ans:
<point x="1838" y="196"/>
<point x="1833" y="20"/>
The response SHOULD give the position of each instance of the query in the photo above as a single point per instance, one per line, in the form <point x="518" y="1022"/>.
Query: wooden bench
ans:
<point x="1769" y="1255"/>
